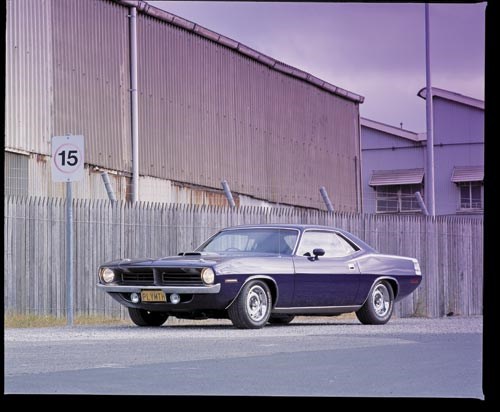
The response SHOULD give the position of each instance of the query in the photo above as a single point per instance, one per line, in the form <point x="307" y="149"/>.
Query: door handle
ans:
<point x="351" y="266"/>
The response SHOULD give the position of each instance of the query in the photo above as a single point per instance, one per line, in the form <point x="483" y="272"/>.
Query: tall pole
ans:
<point x="134" y="104"/>
<point x="69" y="254"/>
<point x="429" y="176"/>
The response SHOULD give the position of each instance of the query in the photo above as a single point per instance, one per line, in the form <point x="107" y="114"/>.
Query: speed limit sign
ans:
<point x="67" y="158"/>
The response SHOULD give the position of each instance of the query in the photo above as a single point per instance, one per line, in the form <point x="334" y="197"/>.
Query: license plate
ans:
<point x="153" y="296"/>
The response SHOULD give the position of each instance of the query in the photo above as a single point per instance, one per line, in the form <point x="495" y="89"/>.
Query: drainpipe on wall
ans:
<point x="228" y="193"/>
<point x="421" y="203"/>
<point x="134" y="114"/>
<point x="107" y="185"/>
<point x="326" y="199"/>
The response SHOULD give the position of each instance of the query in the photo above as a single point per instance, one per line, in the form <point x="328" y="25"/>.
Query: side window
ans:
<point x="333" y="244"/>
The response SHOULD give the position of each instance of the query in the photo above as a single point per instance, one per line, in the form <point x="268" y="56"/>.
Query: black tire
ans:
<point x="142" y="317"/>
<point x="377" y="310"/>
<point x="281" y="319"/>
<point x="252" y="308"/>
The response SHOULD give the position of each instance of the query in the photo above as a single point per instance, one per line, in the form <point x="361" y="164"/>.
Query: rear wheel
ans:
<point x="378" y="308"/>
<point x="281" y="319"/>
<point x="142" y="317"/>
<point x="252" y="307"/>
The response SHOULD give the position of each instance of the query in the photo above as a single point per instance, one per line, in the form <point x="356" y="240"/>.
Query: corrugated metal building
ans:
<point x="458" y="158"/>
<point x="210" y="109"/>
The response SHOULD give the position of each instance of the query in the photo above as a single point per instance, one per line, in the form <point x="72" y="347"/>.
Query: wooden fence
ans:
<point x="450" y="249"/>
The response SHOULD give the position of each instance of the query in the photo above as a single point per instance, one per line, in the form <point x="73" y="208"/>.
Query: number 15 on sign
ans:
<point x="67" y="158"/>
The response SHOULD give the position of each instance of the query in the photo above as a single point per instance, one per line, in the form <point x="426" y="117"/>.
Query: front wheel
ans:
<point x="378" y="308"/>
<point x="252" y="308"/>
<point x="142" y="317"/>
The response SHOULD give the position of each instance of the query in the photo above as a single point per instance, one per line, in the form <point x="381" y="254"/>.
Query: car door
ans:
<point x="329" y="280"/>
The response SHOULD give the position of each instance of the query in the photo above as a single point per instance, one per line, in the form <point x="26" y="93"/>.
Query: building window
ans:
<point x="398" y="199"/>
<point x="471" y="196"/>
<point x="16" y="174"/>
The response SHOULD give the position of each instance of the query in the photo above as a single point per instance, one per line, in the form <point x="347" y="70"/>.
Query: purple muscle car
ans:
<point x="264" y="273"/>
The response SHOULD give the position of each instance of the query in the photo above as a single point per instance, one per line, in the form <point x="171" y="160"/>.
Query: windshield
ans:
<point x="257" y="240"/>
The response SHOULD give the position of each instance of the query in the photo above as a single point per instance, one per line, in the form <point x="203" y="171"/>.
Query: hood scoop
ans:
<point x="190" y="254"/>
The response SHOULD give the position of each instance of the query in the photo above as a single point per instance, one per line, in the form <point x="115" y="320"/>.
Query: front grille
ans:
<point x="165" y="277"/>
<point x="143" y="277"/>
<point x="180" y="279"/>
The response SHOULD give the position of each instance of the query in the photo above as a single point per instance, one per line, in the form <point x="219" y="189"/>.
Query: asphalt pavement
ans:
<point x="410" y="357"/>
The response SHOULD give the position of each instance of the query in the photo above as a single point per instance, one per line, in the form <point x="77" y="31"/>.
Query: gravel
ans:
<point x="301" y="326"/>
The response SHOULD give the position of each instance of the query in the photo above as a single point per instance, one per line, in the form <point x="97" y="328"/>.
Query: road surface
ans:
<point x="310" y="357"/>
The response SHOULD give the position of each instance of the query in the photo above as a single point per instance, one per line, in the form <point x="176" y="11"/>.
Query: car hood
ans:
<point x="191" y="259"/>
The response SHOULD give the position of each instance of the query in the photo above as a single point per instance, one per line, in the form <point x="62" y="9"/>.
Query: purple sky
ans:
<point x="376" y="50"/>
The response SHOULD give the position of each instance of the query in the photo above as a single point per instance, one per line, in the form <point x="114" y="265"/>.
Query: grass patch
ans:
<point x="15" y="320"/>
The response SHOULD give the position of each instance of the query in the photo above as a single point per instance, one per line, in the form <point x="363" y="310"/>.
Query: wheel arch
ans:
<point x="393" y="282"/>
<point x="268" y="280"/>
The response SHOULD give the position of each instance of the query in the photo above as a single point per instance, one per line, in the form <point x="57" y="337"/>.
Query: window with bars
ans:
<point x="16" y="174"/>
<point x="471" y="196"/>
<point x="398" y="199"/>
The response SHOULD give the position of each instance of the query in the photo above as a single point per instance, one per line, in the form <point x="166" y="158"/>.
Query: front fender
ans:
<point x="273" y="287"/>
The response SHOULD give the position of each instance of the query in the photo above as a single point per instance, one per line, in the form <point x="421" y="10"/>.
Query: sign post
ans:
<point x="67" y="166"/>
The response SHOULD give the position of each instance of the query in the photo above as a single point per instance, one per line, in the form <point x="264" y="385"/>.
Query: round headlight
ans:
<point x="107" y="275"/>
<point x="208" y="276"/>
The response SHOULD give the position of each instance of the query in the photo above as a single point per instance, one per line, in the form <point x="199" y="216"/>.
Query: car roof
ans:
<point x="283" y="226"/>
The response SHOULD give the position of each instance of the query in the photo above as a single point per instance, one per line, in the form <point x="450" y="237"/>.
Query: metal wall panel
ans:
<point x="91" y="78"/>
<point x="28" y="75"/>
<point x="67" y="71"/>
<point x="207" y="113"/>
<point x="457" y="123"/>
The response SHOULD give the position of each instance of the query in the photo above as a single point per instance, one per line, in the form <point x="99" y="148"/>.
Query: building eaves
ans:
<point x="274" y="64"/>
<point x="394" y="131"/>
<point x="455" y="97"/>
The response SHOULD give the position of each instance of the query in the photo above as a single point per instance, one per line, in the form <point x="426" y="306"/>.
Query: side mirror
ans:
<point x="318" y="252"/>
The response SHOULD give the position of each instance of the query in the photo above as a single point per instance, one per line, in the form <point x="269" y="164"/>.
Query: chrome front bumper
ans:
<point x="166" y="289"/>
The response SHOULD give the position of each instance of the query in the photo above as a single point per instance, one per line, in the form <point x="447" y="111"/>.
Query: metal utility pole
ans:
<point x="134" y="103"/>
<point x="429" y="175"/>
<point x="69" y="254"/>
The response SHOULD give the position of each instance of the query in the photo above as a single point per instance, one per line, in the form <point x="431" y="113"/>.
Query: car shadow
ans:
<point x="268" y="326"/>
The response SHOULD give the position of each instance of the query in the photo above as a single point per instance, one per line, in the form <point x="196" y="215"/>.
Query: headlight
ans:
<point x="208" y="276"/>
<point x="107" y="275"/>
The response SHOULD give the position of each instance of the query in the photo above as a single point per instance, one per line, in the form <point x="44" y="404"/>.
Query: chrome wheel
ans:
<point x="257" y="303"/>
<point x="381" y="300"/>
<point x="378" y="306"/>
<point x="252" y="307"/>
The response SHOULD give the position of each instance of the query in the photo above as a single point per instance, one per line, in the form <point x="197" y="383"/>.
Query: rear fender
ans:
<point x="392" y="281"/>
